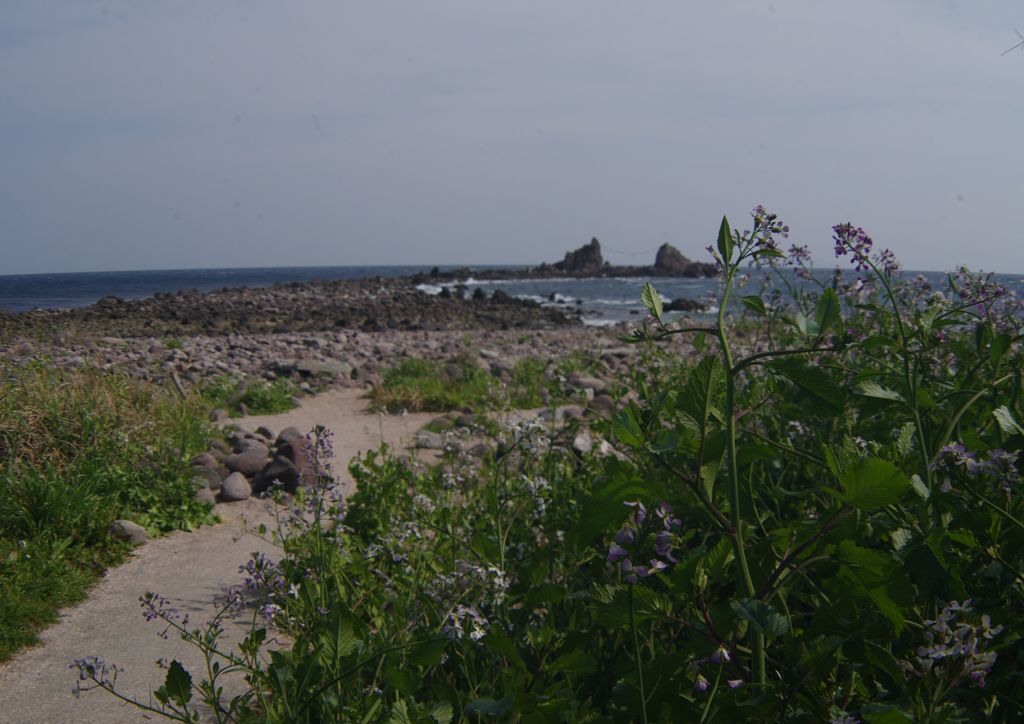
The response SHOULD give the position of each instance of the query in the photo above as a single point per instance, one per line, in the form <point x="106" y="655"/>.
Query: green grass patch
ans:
<point x="77" y="451"/>
<point x="260" y="397"/>
<point x="419" y="385"/>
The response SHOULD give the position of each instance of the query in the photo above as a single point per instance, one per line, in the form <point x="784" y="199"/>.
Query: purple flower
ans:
<point x="702" y="684"/>
<point x="616" y="553"/>
<point x="720" y="655"/>
<point x="849" y="238"/>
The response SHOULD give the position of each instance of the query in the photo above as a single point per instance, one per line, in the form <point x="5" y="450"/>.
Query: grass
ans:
<point x="259" y="397"/>
<point x="77" y="451"/>
<point x="419" y="385"/>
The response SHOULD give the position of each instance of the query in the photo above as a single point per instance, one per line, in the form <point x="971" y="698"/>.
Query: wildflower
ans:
<point x="702" y="684"/>
<point x="616" y="553"/>
<point x="953" y="647"/>
<point x="850" y="239"/>
<point x="720" y="655"/>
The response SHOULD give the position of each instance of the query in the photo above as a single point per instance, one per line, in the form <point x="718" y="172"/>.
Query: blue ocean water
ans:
<point x="22" y="292"/>
<point x="599" y="300"/>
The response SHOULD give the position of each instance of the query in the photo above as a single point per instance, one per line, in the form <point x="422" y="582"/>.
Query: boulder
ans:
<point x="234" y="488"/>
<point x="287" y="435"/>
<point x="248" y="463"/>
<point x="211" y="476"/>
<point x="205" y="495"/>
<point x="582" y="382"/>
<point x="684" y="305"/>
<point x="128" y="531"/>
<point x="428" y="440"/>
<point x="249" y="444"/>
<point x="281" y="470"/>
<point x="265" y="432"/>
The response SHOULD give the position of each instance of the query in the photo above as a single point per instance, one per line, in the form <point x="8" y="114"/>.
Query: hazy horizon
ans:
<point x="253" y="135"/>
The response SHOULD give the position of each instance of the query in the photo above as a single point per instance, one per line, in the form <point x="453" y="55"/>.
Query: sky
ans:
<point x="193" y="134"/>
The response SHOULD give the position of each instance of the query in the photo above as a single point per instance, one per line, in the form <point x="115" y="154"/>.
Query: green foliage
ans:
<point x="460" y="384"/>
<point x="259" y="397"/>
<point x="77" y="451"/>
<point x="790" y="529"/>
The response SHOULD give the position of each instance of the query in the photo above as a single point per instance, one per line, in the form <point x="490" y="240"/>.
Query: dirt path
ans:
<point x="188" y="568"/>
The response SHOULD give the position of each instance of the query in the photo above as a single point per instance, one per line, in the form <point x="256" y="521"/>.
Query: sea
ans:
<point x="600" y="301"/>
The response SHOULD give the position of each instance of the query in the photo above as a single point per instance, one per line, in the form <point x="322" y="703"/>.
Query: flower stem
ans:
<point x="636" y="658"/>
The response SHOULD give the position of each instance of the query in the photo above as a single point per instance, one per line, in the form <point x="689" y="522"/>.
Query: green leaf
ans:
<point x="873" y="389"/>
<point x="761" y="616"/>
<point x="650" y="298"/>
<point x="577" y="662"/>
<point x="501" y="644"/>
<point x="827" y="310"/>
<point x="400" y="713"/>
<point x="826" y="394"/>
<point x="883" y="660"/>
<point x="442" y="712"/>
<point x="490" y="707"/>
<point x="1007" y="423"/>
<point x="626" y="428"/>
<point x="755" y="304"/>
<point x="873" y="483"/>
<point x="876" y="577"/>
<point x="428" y="653"/>
<point x="177" y="686"/>
<point x="725" y="241"/>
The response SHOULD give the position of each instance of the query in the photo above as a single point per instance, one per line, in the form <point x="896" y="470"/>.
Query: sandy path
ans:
<point x="189" y="568"/>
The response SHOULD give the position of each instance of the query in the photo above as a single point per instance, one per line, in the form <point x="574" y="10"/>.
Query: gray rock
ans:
<point x="204" y="460"/>
<point x="329" y="368"/>
<point x="280" y="469"/>
<point x="249" y="444"/>
<point x="211" y="476"/>
<point x="128" y="531"/>
<point x="427" y="440"/>
<point x="248" y="463"/>
<point x="219" y="415"/>
<point x="603" y="405"/>
<point x="489" y="354"/>
<point x="205" y="495"/>
<point x="218" y="445"/>
<point x="235" y="487"/>
<point x="265" y="432"/>
<point x="480" y="450"/>
<point x="587" y="383"/>
<point x="583" y="443"/>
<point x="288" y="434"/>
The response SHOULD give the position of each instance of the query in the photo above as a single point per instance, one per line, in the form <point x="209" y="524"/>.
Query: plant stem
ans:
<point x="636" y="658"/>
<point x="734" y="477"/>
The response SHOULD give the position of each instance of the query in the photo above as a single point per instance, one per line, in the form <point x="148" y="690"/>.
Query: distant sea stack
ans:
<point x="584" y="261"/>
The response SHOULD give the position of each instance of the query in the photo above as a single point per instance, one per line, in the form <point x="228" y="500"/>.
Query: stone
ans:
<point x="280" y="469"/>
<point x="583" y="382"/>
<point x="287" y="435"/>
<point x="219" y="415"/>
<point x="205" y="495"/>
<point x="204" y="460"/>
<point x="248" y="463"/>
<point x="684" y="305"/>
<point x="249" y="444"/>
<point x="265" y="432"/>
<point x="211" y="476"/>
<point x="297" y="452"/>
<point x="234" y="488"/>
<point x="428" y="440"/>
<point x="603" y="405"/>
<point x="583" y="443"/>
<point x="128" y="531"/>
<point x="219" y="445"/>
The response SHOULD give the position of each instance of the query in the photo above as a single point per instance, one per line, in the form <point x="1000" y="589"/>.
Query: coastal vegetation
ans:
<point x="240" y="395"/>
<point x="817" y="519"/>
<point x="78" y="450"/>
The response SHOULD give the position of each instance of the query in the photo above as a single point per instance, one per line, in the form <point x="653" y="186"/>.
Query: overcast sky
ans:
<point x="190" y="133"/>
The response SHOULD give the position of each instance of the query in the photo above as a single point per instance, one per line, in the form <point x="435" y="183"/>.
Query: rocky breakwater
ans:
<point x="373" y="304"/>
